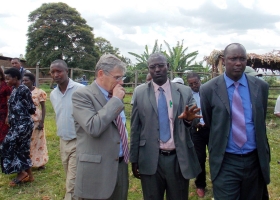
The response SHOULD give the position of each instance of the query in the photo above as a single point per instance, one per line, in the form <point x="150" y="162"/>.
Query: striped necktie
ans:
<point x="122" y="132"/>
<point x="238" y="119"/>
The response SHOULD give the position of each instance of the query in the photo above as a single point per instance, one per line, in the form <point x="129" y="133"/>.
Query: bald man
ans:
<point x="234" y="107"/>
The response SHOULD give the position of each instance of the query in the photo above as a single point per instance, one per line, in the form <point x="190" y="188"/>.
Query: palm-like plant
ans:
<point x="143" y="58"/>
<point x="177" y="58"/>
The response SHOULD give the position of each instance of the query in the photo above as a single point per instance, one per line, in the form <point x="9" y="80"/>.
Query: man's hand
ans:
<point x="118" y="91"/>
<point x="135" y="170"/>
<point x="190" y="114"/>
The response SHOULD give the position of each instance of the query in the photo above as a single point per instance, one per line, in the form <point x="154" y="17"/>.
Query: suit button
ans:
<point x="117" y="159"/>
<point x="118" y="142"/>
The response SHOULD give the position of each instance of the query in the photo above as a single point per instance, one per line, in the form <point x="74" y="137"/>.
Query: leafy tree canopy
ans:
<point x="104" y="46"/>
<point x="58" y="31"/>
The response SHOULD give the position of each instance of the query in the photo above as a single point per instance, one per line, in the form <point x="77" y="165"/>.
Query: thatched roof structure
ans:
<point x="266" y="61"/>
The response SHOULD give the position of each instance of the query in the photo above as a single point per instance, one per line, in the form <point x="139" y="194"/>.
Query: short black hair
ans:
<point x="60" y="63"/>
<point x="30" y="76"/>
<point x="193" y="75"/>
<point x="237" y="44"/>
<point x="13" y="72"/>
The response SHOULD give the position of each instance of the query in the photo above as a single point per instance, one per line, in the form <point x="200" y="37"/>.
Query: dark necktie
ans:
<point x="122" y="132"/>
<point x="238" y="119"/>
<point x="163" y="117"/>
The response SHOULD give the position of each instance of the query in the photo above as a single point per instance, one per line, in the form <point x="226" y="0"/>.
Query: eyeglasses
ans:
<point x="118" y="78"/>
<point x="194" y="84"/>
<point x="160" y="65"/>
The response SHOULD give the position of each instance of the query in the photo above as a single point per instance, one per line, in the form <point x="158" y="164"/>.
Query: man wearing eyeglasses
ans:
<point x="200" y="135"/>
<point x="234" y="107"/>
<point x="102" y="146"/>
<point x="162" y="152"/>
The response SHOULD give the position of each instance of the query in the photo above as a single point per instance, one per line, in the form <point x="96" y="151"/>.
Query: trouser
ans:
<point x="68" y="158"/>
<point x="200" y="138"/>
<point x="121" y="189"/>
<point x="169" y="178"/>
<point x="240" y="177"/>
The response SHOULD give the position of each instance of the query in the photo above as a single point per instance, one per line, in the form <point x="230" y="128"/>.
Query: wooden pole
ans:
<point x="71" y="73"/>
<point x="136" y="79"/>
<point x="37" y="76"/>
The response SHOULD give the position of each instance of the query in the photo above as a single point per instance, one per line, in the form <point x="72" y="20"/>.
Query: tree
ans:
<point x="58" y="31"/>
<point x="104" y="46"/>
<point x="143" y="58"/>
<point x="177" y="58"/>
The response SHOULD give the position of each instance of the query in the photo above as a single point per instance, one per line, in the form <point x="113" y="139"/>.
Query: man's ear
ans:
<point x="223" y="60"/>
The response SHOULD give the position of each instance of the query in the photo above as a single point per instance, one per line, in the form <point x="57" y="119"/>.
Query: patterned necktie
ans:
<point x="122" y="132"/>
<point x="163" y="117"/>
<point x="238" y="119"/>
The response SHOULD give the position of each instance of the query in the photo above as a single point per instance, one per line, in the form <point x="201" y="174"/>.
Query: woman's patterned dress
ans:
<point x="15" y="149"/>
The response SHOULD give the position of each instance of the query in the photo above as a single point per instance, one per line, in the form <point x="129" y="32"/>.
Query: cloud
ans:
<point x="234" y="18"/>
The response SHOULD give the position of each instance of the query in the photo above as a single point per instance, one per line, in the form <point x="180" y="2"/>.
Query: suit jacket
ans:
<point x="144" y="137"/>
<point x="98" y="142"/>
<point x="217" y="115"/>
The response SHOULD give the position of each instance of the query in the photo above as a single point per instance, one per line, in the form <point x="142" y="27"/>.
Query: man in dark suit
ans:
<point x="102" y="146"/>
<point x="163" y="154"/>
<point x="17" y="64"/>
<point x="234" y="107"/>
<point x="200" y="135"/>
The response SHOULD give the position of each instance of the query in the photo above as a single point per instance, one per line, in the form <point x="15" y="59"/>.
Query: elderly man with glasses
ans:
<point x="102" y="147"/>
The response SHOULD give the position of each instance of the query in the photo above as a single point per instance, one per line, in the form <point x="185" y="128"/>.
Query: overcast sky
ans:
<point x="204" y="25"/>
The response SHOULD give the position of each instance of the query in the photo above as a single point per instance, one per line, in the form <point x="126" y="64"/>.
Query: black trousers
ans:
<point x="200" y="138"/>
<point x="240" y="177"/>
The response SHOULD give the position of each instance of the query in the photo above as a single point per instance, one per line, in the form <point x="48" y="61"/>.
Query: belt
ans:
<point x="200" y="128"/>
<point x="167" y="152"/>
<point x="243" y="155"/>
<point x="121" y="159"/>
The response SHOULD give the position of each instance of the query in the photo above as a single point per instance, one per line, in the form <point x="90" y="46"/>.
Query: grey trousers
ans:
<point x="121" y="189"/>
<point x="169" y="178"/>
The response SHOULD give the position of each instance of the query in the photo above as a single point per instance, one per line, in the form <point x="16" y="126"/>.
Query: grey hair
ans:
<point x="108" y="62"/>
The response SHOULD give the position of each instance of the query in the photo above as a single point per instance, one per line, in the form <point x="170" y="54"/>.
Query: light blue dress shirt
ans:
<point x="105" y="93"/>
<point x="244" y="92"/>
<point x="196" y="97"/>
<point x="63" y="108"/>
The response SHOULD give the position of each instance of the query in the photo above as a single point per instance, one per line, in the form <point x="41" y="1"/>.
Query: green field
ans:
<point x="49" y="183"/>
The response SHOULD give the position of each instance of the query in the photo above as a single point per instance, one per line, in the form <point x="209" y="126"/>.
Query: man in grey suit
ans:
<point x="102" y="150"/>
<point x="234" y="107"/>
<point x="163" y="154"/>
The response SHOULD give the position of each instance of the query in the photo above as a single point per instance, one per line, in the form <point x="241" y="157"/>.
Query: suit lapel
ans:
<point x="175" y="98"/>
<point x="221" y="91"/>
<point x="152" y="96"/>
<point x="98" y="95"/>
<point x="253" y="89"/>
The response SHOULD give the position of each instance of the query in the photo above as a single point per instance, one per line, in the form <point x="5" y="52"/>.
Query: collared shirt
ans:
<point x="105" y="93"/>
<point x="62" y="105"/>
<point x="169" y="145"/>
<point x="244" y="92"/>
<point x="196" y="97"/>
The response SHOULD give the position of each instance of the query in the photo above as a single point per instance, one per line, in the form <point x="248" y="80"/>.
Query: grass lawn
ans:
<point x="49" y="183"/>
